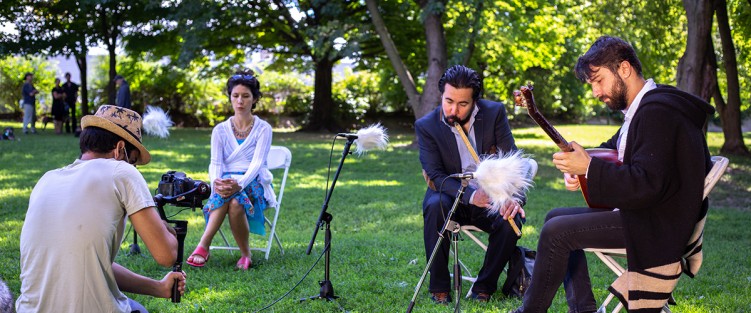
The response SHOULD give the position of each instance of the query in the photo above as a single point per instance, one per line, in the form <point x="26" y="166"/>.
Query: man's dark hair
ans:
<point x="608" y="52"/>
<point x="27" y="75"/>
<point x="247" y="78"/>
<point x="99" y="140"/>
<point x="460" y="76"/>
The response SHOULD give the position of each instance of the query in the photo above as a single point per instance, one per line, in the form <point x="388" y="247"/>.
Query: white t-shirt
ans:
<point x="72" y="233"/>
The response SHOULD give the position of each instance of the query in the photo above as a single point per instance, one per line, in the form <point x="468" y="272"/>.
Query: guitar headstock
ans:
<point x="524" y="97"/>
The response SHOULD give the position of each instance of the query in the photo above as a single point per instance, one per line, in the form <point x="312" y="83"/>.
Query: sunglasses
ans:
<point x="241" y="76"/>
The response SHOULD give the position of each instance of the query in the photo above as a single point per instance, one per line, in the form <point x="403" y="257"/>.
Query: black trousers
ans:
<point x="501" y="242"/>
<point x="560" y="258"/>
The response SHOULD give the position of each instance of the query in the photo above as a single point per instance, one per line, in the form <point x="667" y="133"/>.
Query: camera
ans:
<point x="179" y="190"/>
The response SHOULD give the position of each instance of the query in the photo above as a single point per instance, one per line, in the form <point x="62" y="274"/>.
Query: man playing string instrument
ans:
<point x="657" y="189"/>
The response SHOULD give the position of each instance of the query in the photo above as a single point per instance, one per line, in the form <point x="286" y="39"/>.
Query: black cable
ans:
<point x="298" y="283"/>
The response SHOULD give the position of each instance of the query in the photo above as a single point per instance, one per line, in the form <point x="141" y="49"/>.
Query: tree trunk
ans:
<point x="436" y="47"/>
<point x="82" y="68"/>
<point x="476" y="25"/>
<point x="111" y="88"/>
<point x="692" y="65"/>
<point x="405" y="77"/>
<point x="321" y="116"/>
<point x="730" y="114"/>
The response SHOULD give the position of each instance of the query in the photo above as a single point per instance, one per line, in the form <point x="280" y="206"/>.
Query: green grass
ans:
<point x="377" y="251"/>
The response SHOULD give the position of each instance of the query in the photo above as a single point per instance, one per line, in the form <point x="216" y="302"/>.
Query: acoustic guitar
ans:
<point x="525" y="98"/>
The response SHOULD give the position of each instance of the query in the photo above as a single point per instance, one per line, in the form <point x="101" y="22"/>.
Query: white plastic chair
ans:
<point x="607" y="256"/>
<point x="468" y="231"/>
<point x="279" y="159"/>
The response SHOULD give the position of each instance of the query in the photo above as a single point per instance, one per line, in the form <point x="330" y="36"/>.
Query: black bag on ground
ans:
<point x="519" y="274"/>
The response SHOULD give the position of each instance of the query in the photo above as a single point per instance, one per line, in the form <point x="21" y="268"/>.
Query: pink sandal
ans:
<point x="199" y="251"/>
<point x="244" y="263"/>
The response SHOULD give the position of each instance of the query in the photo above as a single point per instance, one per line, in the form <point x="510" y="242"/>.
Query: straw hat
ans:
<point x="123" y="122"/>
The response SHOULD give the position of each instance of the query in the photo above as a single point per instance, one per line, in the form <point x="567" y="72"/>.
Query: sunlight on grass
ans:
<point x="377" y="244"/>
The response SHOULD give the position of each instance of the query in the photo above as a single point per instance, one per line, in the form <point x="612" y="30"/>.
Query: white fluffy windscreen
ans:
<point x="371" y="137"/>
<point x="504" y="177"/>
<point x="156" y="122"/>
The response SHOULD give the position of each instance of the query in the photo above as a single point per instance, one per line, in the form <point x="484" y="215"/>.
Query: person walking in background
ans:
<point x="123" y="92"/>
<point x="58" y="111"/>
<point x="71" y="96"/>
<point x="28" y="92"/>
<point x="241" y="181"/>
<point x="443" y="151"/>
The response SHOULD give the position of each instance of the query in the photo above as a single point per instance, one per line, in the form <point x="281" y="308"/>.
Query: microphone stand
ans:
<point x="453" y="228"/>
<point x="324" y="220"/>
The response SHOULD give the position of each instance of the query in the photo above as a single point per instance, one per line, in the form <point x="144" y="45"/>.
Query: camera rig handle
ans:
<point x="181" y="229"/>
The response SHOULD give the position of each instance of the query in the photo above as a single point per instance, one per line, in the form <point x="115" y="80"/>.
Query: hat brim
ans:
<point x="96" y="121"/>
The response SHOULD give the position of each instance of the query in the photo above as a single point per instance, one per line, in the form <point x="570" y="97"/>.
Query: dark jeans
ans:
<point x="136" y="307"/>
<point x="560" y="258"/>
<point x="501" y="242"/>
<point x="70" y="123"/>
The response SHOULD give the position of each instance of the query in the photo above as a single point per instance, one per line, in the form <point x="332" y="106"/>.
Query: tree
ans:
<point x="432" y="14"/>
<point x="697" y="69"/>
<point x="302" y="35"/>
<point x="730" y="114"/>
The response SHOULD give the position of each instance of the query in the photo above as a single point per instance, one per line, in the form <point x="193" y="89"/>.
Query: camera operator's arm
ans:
<point x="131" y="282"/>
<point x="159" y="237"/>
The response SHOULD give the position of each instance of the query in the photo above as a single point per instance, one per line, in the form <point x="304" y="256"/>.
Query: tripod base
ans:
<point x="327" y="292"/>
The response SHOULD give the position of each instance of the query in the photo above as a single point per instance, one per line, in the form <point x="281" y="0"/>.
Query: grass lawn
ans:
<point x="377" y="251"/>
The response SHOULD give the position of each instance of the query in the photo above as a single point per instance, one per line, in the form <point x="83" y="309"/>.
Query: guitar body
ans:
<point x="525" y="98"/>
<point x="608" y="155"/>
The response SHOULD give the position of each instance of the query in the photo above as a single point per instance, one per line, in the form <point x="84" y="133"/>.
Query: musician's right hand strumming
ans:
<point x="572" y="182"/>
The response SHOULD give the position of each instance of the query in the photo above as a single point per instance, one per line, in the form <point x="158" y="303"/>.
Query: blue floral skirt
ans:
<point x="251" y="198"/>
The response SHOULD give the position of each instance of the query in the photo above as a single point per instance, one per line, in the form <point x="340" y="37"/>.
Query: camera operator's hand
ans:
<point x="165" y="285"/>
<point x="169" y="228"/>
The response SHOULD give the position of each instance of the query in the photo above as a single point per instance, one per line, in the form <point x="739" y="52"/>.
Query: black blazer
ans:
<point x="439" y="154"/>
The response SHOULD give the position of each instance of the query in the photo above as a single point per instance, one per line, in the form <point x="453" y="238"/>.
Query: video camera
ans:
<point x="179" y="190"/>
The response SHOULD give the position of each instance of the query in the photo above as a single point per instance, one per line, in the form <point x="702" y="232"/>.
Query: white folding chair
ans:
<point x="719" y="164"/>
<point x="279" y="159"/>
<point x="468" y="231"/>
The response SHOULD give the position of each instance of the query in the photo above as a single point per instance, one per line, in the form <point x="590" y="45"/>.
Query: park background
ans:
<point x="330" y="66"/>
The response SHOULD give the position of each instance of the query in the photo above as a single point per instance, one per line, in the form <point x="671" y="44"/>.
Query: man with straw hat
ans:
<point x="76" y="219"/>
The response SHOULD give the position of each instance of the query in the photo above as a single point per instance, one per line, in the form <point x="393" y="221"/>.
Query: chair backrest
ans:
<point x="692" y="257"/>
<point x="279" y="158"/>
<point x="719" y="165"/>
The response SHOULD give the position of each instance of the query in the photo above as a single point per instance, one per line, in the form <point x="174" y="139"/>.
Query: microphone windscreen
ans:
<point x="156" y="122"/>
<point x="504" y="177"/>
<point x="371" y="137"/>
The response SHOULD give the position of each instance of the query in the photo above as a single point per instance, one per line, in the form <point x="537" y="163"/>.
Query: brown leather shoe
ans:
<point x="440" y="297"/>
<point x="480" y="296"/>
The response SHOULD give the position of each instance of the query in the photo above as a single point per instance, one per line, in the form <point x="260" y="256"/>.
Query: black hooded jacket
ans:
<point x="659" y="187"/>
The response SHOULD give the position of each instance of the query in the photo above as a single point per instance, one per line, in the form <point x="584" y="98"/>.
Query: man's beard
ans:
<point x="451" y="119"/>
<point x="618" y="95"/>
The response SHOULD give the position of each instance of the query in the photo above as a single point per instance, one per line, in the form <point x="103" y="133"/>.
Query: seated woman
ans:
<point x="241" y="181"/>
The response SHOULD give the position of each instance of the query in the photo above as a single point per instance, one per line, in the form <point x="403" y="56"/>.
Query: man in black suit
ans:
<point x="443" y="152"/>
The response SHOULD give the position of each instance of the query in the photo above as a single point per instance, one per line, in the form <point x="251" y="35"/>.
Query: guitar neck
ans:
<point x="564" y="145"/>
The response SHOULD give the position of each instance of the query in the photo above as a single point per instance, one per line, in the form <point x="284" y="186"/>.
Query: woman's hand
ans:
<point x="226" y="187"/>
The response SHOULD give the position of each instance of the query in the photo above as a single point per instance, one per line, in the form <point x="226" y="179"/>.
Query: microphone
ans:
<point x="467" y="175"/>
<point x="349" y="136"/>
<point x="368" y="138"/>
